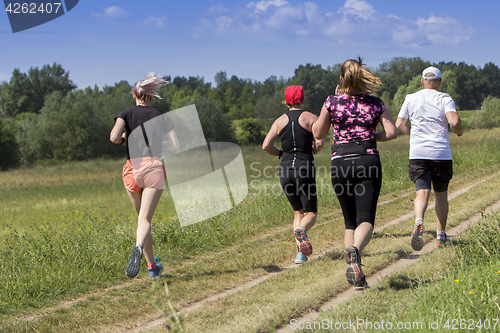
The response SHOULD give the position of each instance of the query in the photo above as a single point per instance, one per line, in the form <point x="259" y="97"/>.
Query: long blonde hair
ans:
<point x="358" y="79"/>
<point x="147" y="88"/>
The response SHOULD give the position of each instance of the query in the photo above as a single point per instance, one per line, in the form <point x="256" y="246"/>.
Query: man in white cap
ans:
<point x="430" y="112"/>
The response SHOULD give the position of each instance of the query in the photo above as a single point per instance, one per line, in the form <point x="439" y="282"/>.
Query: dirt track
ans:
<point x="373" y="278"/>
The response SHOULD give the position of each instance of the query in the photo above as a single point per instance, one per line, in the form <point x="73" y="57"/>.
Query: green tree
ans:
<point x="491" y="74"/>
<point x="318" y="84"/>
<point x="250" y="132"/>
<point x="270" y="107"/>
<point x="398" y="72"/>
<point x="9" y="149"/>
<point x="230" y="98"/>
<point x="27" y="92"/>
<point x="489" y="115"/>
<point x="119" y="89"/>
<point x="413" y="86"/>
<point x="449" y="84"/>
<point x="70" y="127"/>
<point x="214" y="122"/>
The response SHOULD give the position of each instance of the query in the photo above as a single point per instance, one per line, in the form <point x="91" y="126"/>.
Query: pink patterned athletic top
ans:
<point x="354" y="118"/>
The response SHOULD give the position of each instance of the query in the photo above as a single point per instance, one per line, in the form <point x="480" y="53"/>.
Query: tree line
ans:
<point x="44" y="116"/>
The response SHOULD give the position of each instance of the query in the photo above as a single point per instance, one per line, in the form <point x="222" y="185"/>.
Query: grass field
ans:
<point x="66" y="232"/>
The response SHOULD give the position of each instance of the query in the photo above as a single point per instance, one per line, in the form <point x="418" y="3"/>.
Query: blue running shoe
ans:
<point x="154" y="273"/>
<point x="134" y="264"/>
<point x="300" y="259"/>
<point x="361" y="285"/>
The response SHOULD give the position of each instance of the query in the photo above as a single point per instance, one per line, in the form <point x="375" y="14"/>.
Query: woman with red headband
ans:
<point x="297" y="172"/>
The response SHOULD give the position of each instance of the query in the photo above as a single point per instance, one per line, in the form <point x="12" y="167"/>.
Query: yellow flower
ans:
<point x="471" y="292"/>
<point x="17" y="243"/>
<point x="457" y="281"/>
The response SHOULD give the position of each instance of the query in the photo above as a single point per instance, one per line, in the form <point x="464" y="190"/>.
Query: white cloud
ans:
<point x="262" y="6"/>
<point x="278" y="19"/>
<point x="223" y="23"/>
<point x="110" y="12"/>
<point x="218" y="9"/>
<point x="358" y="8"/>
<point x="154" y="21"/>
<point x="438" y="31"/>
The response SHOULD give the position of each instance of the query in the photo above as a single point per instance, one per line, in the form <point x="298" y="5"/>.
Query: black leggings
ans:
<point x="299" y="186"/>
<point x="356" y="182"/>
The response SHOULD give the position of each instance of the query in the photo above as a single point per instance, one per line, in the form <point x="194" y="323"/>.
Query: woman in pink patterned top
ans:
<point x="356" y="171"/>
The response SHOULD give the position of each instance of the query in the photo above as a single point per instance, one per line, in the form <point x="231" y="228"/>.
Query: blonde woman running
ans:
<point x="356" y="171"/>
<point x="144" y="177"/>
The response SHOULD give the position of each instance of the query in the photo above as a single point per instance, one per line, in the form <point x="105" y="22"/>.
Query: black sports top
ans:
<point x="296" y="141"/>
<point x="152" y="143"/>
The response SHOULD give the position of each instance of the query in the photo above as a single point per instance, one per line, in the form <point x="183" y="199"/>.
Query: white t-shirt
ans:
<point x="427" y="110"/>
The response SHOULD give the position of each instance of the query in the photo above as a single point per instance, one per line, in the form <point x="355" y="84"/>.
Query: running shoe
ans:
<point x="441" y="241"/>
<point x="362" y="285"/>
<point x="354" y="274"/>
<point x="154" y="273"/>
<point x="417" y="242"/>
<point x="134" y="263"/>
<point x="305" y="246"/>
<point x="300" y="259"/>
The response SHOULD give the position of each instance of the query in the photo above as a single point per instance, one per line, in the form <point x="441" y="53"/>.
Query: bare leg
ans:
<point x="441" y="209"/>
<point x="420" y="202"/>
<point x="298" y="215"/>
<point x="349" y="238"/>
<point x="150" y="199"/>
<point x="135" y="198"/>
<point x="360" y="237"/>
<point x="304" y="220"/>
<point x="308" y="220"/>
<point x="145" y="204"/>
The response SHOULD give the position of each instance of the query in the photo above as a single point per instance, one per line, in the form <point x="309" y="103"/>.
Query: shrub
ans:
<point x="489" y="115"/>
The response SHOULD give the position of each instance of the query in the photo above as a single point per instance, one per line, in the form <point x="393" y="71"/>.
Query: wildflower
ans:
<point x="457" y="281"/>
<point x="471" y="292"/>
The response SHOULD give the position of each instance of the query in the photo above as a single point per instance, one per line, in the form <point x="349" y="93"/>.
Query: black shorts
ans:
<point x="299" y="186"/>
<point x="424" y="172"/>
<point x="356" y="182"/>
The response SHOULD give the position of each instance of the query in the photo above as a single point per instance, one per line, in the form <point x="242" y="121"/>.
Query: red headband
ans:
<point x="294" y="95"/>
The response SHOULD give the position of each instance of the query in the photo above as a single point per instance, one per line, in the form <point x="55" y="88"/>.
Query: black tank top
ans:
<point x="296" y="141"/>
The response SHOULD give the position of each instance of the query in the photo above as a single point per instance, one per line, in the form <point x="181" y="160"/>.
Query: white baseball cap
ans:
<point x="431" y="70"/>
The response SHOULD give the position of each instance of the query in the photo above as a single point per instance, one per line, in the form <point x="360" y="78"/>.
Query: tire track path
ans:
<point x="343" y="296"/>
<point x="403" y="262"/>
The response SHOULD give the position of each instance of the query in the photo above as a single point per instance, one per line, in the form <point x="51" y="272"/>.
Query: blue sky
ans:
<point x="103" y="42"/>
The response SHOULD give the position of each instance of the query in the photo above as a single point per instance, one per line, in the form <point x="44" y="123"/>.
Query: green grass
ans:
<point x="454" y="289"/>
<point x="66" y="230"/>
<point x="467" y="114"/>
